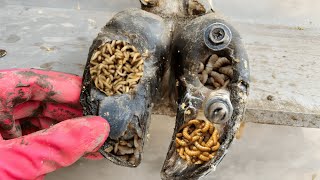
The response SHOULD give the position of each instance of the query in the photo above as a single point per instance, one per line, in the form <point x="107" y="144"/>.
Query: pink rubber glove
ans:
<point x="31" y="100"/>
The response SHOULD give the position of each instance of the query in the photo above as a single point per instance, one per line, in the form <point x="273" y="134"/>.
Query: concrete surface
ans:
<point x="265" y="152"/>
<point x="283" y="42"/>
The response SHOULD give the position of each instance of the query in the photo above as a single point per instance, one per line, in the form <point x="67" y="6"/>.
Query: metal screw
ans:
<point x="217" y="35"/>
<point x="218" y="107"/>
<point x="218" y="112"/>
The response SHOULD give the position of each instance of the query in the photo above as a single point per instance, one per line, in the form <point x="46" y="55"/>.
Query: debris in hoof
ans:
<point x="3" y="53"/>
<point x="270" y="98"/>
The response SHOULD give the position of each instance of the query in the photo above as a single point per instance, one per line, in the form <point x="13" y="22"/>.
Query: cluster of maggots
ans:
<point x="216" y="73"/>
<point x="127" y="149"/>
<point x="197" y="141"/>
<point x="116" y="67"/>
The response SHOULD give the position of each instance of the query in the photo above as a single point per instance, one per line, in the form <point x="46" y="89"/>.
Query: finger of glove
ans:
<point x="14" y="132"/>
<point x="28" y="128"/>
<point x="61" y="145"/>
<point x="20" y="111"/>
<point x="43" y="116"/>
<point x="27" y="109"/>
<point x="46" y="122"/>
<point x="40" y="85"/>
<point x="33" y="124"/>
<point x="33" y="111"/>
<point x="61" y="112"/>
<point x="21" y="85"/>
<point x="23" y="110"/>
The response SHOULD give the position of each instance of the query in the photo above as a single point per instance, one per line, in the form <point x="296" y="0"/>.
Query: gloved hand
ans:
<point x="31" y="100"/>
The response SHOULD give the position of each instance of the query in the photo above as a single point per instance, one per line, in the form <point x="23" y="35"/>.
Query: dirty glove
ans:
<point x="31" y="100"/>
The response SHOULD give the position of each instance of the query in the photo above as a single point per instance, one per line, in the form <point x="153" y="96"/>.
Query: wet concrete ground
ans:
<point x="56" y="35"/>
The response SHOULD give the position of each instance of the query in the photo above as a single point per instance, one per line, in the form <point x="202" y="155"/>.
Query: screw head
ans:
<point x="218" y="107"/>
<point x="218" y="112"/>
<point x="217" y="36"/>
